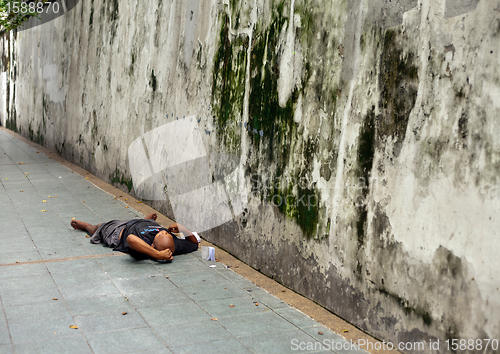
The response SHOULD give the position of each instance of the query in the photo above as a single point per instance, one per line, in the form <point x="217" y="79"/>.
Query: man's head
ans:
<point x="164" y="240"/>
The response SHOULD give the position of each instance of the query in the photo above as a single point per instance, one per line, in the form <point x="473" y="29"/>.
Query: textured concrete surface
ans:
<point x="52" y="277"/>
<point x="365" y="133"/>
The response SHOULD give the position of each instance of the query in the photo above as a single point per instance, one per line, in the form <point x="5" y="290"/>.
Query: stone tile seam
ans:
<point x="62" y="259"/>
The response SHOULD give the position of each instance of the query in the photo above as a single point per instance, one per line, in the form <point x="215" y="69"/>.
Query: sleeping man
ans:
<point x="141" y="238"/>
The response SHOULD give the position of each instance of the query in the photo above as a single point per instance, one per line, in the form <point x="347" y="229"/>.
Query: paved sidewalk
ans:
<point x="52" y="278"/>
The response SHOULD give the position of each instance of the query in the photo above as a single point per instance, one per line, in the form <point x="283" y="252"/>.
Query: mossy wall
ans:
<point x="366" y="134"/>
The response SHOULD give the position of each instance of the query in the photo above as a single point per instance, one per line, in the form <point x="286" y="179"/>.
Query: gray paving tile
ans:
<point x="96" y="249"/>
<point x="89" y="275"/>
<point x="166" y="314"/>
<point x="109" y="321"/>
<point x="155" y="351"/>
<point x="95" y="305"/>
<point x="255" y="323"/>
<point x="37" y="311"/>
<point x="296" y="317"/>
<point x="125" y="341"/>
<point x="221" y="290"/>
<point x="220" y="307"/>
<point x="125" y="266"/>
<point x="28" y="296"/>
<point x="20" y="245"/>
<point x="4" y="333"/>
<point x="24" y="256"/>
<point x="329" y="335"/>
<point x="291" y="341"/>
<point x="182" y="266"/>
<point x="63" y="252"/>
<point x="6" y="349"/>
<point x="89" y="289"/>
<point x="77" y="265"/>
<point x="227" y="346"/>
<point x="22" y="270"/>
<point x="208" y="276"/>
<point x="158" y="297"/>
<point x="129" y="286"/>
<point x="33" y="283"/>
<point x="52" y="328"/>
<point x="201" y="331"/>
<point x="75" y="345"/>
<point x="271" y="301"/>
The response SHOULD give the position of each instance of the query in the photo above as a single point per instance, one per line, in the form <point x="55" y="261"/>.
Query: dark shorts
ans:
<point x="109" y="232"/>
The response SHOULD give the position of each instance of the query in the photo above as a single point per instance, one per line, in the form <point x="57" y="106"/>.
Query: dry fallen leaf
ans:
<point x="21" y="163"/>
<point x="345" y="330"/>
<point x="166" y="276"/>
<point x="126" y="207"/>
<point x="73" y="218"/>
<point x="321" y="333"/>
<point x="126" y="198"/>
<point x="86" y="178"/>
<point x="87" y="236"/>
<point x="73" y="326"/>
<point x="55" y="196"/>
<point x="214" y="319"/>
<point x="54" y="298"/>
<point x="283" y="291"/>
<point x="49" y="196"/>
<point x="114" y="198"/>
<point x="43" y="210"/>
<point x="124" y="313"/>
<point x="44" y="201"/>
<point x="256" y="304"/>
<point x="17" y="261"/>
<point x="231" y="305"/>
<point x="139" y="202"/>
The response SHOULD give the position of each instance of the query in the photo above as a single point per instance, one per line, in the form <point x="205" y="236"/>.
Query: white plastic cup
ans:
<point x="204" y="252"/>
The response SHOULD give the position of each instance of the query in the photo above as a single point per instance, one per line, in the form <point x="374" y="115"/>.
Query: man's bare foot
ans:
<point x="152" y="216"/>
<point x="85" y="226"/>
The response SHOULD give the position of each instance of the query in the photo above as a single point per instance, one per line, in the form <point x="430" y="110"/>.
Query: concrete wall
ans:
<point x="366" y="136"/>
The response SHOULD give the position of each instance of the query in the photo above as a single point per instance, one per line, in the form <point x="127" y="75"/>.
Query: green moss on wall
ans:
<point x="267" y="119"/>
<point x="118" y="177"/>
<point x="398" y="80"/>
<point x="228" y="85"/>
<point x="37" y="136"/>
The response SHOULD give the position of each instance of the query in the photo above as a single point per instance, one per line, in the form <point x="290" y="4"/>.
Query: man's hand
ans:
<point x="188" y="235"/>
<point x="165" y="255"/>
<point x="174" y="228"/>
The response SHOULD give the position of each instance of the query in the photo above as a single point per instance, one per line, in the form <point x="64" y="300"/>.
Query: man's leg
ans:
<point x="85" y="226"/>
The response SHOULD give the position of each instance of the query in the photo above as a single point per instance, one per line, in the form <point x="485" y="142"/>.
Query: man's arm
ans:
<point x="188" y="235"/>
<point x="139" y="245"/>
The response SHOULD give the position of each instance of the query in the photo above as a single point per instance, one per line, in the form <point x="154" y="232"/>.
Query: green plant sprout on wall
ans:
<point x="14" y="13"/>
